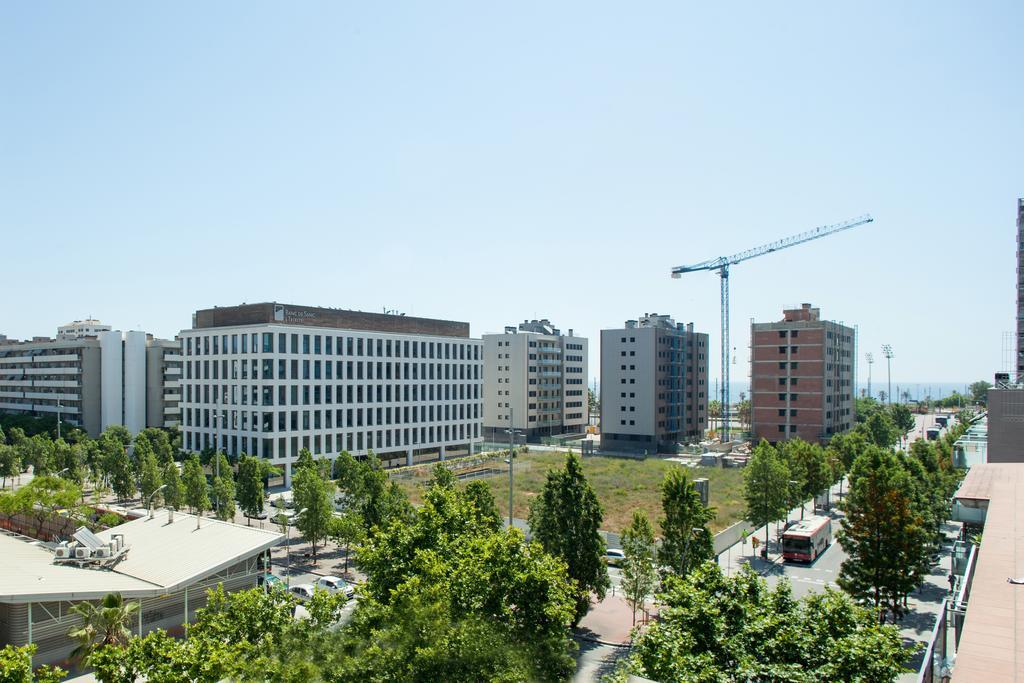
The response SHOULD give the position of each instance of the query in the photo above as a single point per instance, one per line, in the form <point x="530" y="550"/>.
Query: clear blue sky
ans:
<point x="493" y="163"/>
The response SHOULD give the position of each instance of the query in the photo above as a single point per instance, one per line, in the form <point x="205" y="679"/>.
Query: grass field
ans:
<point x="622" y="485"/>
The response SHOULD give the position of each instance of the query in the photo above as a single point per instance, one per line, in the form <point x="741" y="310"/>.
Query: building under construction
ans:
<point x="802" y="372"/>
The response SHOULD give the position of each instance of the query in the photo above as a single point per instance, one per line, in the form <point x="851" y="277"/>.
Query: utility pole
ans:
<point x="511" y="431"/>
<point x="58" y="418"/>
<point x="871" y="361"/>
<point x="887" y="352"/>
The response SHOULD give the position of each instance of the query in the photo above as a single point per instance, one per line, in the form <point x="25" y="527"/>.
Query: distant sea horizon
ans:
<point x="918" y="390"/>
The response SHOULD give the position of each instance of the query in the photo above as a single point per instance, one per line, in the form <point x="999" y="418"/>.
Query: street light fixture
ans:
<point x="149" y="503"/>
<point x="288" y="546"/>
<point x="887" y="352"/>
<point x="511" y="431"/>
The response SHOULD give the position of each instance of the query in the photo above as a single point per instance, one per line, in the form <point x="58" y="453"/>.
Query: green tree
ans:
<point x="313" y="494"/>
<point x="686" y="540"/>
<point x="448" y="599"/>
<point x="809" y="467"/>
<point x="103" y="625"/>
<point x="223" y="488"/>
<point x="346" y="531"/>
<point x="194" y="482"/>
<point x="732" y="630"/>
<point x="379" y="500"/>
<point x="883" y="536"/>
<point x="486" y="511"/>
<point x="639" y="576"/>
<point x="902" y="419"/>
<point x="979" y="391"/>
<point x="173" y="493"/>
<point x="348" y="475"/>
<point x="41" y="499"/>
<point x="159" y="444"/>
<point x="305" y="459"/>
<point x="16" y="662"/>
<point x="880" y="430"/>
<point x="116" y="464"/>
<point x="765" y="487"/>
<point x="150" y="480"/>
<point x="10" y="463"/>
<point x="565" y="519"/>
<point x="37" y="452"/>
<point x="250" y="487"/>
<point x="441" y="476"/>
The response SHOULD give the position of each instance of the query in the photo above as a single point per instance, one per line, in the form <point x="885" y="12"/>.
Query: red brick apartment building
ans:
<point x="801" y="377"/>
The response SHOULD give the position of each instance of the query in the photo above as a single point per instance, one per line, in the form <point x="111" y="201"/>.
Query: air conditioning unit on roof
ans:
<point x="82" y="553"/>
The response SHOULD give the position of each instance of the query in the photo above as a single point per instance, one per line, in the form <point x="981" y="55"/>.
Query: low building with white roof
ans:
<point x="168" y="567"/>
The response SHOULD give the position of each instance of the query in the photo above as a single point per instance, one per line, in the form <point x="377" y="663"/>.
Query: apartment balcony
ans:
<point x="172" y="370"/>
<point x="52" y="371"/>
<point x="549" y="373"/>
<point x="172" y="383"/>
<point x="550" y="361"/>
<point x="548" y="383"/>
<point x="173" y="358"/>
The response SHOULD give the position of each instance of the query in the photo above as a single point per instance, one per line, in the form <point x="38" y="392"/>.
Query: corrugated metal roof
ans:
<point x="171" y="554"/>
<point x="163" y="556"/>
<point x="28" y="574"/>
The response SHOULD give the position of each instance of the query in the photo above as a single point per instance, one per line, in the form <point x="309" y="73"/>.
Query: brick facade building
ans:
<point x="802" y="377"/>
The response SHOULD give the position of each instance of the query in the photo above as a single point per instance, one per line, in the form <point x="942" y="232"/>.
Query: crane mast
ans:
<point x="721" y="266"/>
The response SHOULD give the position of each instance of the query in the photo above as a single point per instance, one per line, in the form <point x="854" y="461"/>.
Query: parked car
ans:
<point x="262" y="514"/>
<point x="335" y="584"/>
<point x="302" y="591"/>
<point x="614" y="557"/>
<point x="269" y="580"/>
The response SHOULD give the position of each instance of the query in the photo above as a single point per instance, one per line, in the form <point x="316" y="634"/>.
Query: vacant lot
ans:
<point x="622" y="485"/>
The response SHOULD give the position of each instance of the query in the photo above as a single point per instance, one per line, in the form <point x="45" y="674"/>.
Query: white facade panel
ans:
<point x="135" y="381"/>
<point x="111" y="379"/>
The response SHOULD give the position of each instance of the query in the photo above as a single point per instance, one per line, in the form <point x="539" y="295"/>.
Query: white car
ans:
<point x="614" y="557"/>
<point x="302" y="591"/>
<point x="335" y="584"/>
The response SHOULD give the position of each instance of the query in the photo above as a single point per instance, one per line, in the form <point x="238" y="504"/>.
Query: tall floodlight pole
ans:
<point x="721" y="266"/>
<point x="871" y="361"/>
<point x="511" y="431"/>
<point x="887" y="352"/>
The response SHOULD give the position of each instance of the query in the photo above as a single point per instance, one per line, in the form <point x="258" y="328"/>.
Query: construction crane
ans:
<point x="721" y="266"/>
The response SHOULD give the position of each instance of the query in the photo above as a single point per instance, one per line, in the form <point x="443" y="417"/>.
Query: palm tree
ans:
<point x="102" y="625"/>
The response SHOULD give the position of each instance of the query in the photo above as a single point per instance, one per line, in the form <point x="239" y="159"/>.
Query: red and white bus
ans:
<point x="807" y="539"/>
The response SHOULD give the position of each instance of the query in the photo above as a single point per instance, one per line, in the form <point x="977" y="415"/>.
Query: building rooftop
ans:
<point x="314" y="316"/>
<point x="163" y="556"/>
<point x="992" y="643"/>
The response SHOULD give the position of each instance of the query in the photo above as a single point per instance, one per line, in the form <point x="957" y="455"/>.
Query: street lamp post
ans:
<point x="288" y="547"/>
<point x="511" y="431"/>
<point x="871" y="361"/>
<point x="58" y="417"/>
<point x="216" y="457"/>
<point x="796" y="483"/>
<point x="887" y="352"/>
<point x="149" y="503"/>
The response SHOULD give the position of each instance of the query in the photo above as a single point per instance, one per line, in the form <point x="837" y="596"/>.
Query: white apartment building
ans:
<point x="537" y="377"/>
<point x="90" y="382"/>
<point x="271" y="379"/>
<point x="80" y="329"/>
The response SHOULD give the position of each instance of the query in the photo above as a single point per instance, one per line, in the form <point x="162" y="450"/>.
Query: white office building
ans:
<point x="271" y="379"/>
<point x="535" y="377"/>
